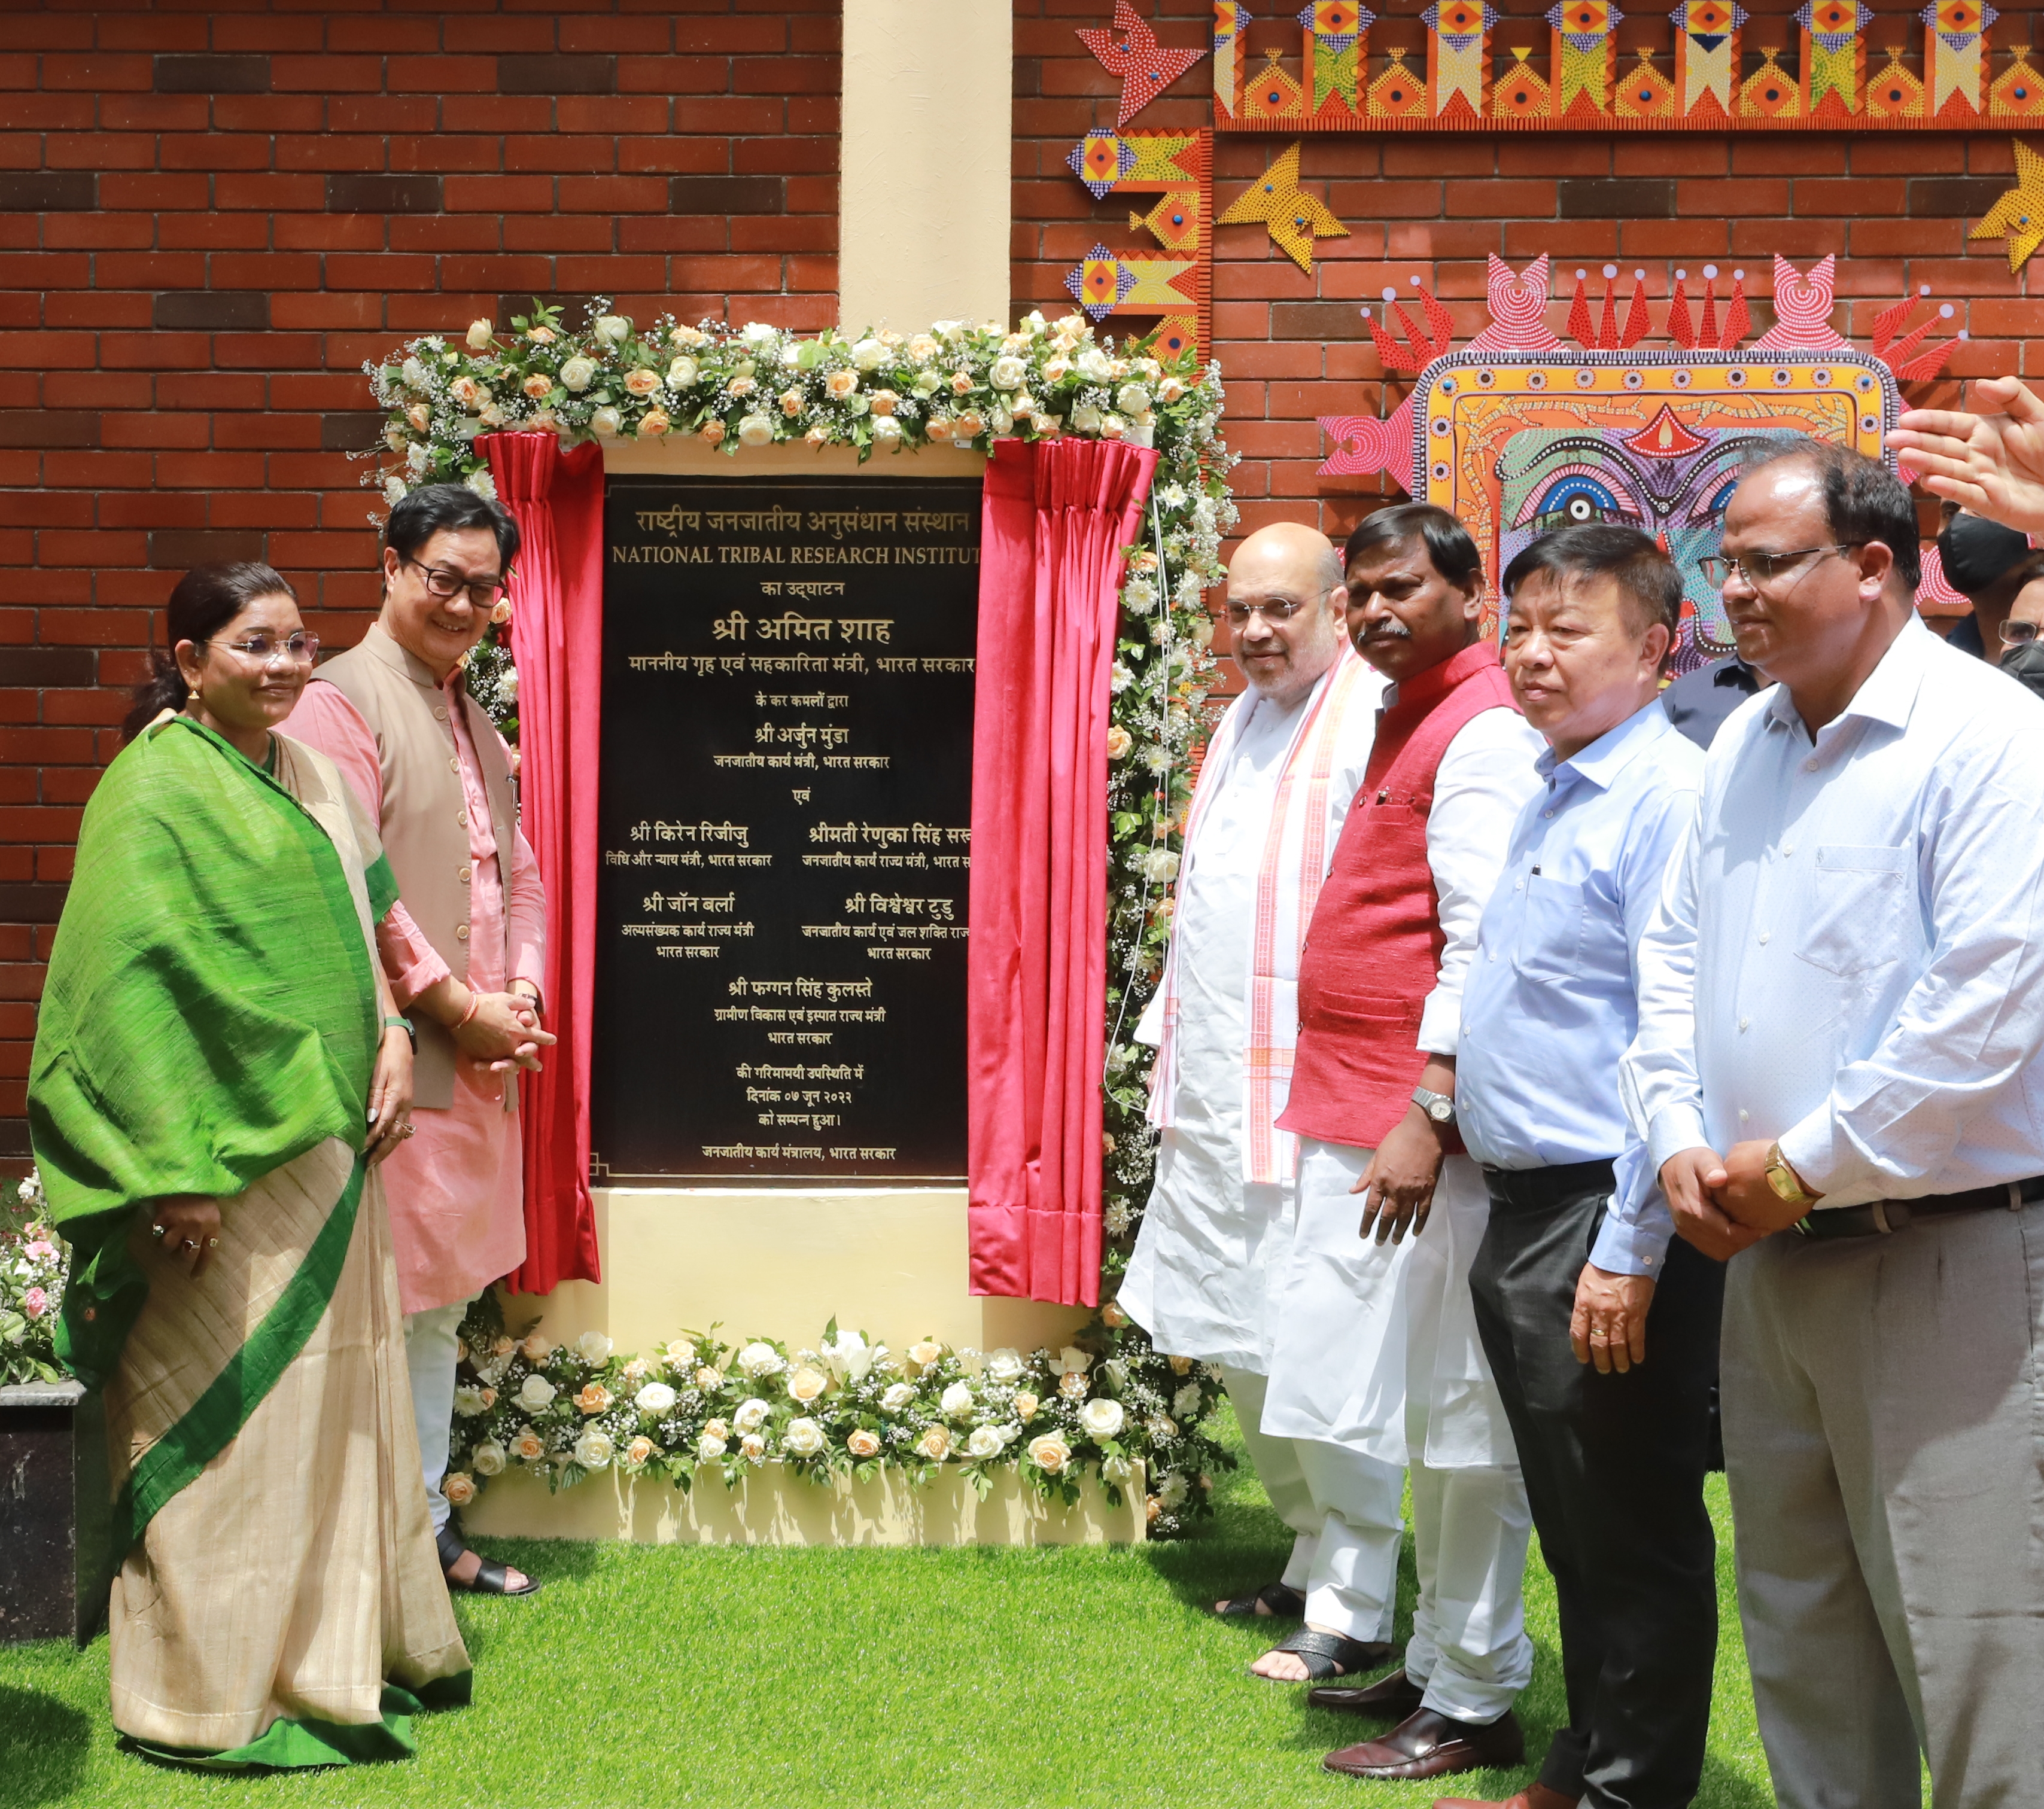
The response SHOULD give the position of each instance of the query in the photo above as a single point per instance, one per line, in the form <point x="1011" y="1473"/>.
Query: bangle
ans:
<point x="474" y="1005"/>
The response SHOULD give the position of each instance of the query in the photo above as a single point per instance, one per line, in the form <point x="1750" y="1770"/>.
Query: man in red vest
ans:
<point x="1377" y="1348"/>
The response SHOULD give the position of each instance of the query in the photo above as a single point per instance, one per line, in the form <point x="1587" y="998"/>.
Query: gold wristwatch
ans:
<point x="1786" y="1184"/>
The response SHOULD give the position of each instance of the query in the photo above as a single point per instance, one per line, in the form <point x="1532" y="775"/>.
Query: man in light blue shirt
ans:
<point x="1840" y="1072"/>
<point x="1614" y="1447"/>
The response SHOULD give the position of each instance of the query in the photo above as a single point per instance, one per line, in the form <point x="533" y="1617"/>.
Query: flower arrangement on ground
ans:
<point x="738" y="387"/>
<point x="33" y="1263"/>
<point x="698" y="1406"/>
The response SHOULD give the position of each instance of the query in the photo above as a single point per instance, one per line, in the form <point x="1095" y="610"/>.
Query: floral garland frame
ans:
<point x="961" y="385"/>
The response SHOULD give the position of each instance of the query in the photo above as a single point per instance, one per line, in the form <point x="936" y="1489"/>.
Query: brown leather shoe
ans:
<point x="1389" y="1699"/>
<point x="1533" y="1797"/>
<point x="1428" y="1745"/>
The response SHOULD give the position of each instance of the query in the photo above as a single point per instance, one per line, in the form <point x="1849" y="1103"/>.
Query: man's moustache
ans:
<point x="1390" y="630"/>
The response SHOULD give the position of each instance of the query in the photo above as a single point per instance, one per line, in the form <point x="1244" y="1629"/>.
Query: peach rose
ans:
<point x="638" y="1451"/>
<point x="863" y="1444"/>
<point x="712" y="432"/>
<point x="1025" y="1408"/>
<point x="841" y="383"/>
<point x="641" y="382"/>
<point x="884" y="401"/>
<point x="538" y="384"/>
<point x="791" y="402"/>
<point x="538" y="1348"/>
<point x="594" y="1398"/>
<point x="961" y="384"/>
<point x="653" y="423"/>
<point x="528" y="1447"/>
<point x="935" y="1443"/>
<point x="459" y="1487"/>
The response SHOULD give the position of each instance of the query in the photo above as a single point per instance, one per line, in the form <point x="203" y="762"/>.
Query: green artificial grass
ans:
<point x="773" y="1678"/>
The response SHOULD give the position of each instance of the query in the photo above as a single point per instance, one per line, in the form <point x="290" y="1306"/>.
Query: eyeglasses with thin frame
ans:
<point x="2018" y="634"/>
<point x="1762" y="569"/>
<point x="446" y="585"/>
<point x="1279" y="609"/>
<point x="299" y="649"/>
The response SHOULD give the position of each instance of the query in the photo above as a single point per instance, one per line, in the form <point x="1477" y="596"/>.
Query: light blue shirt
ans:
<point x="1551" y="999"/>
<point x="1849" y="952"/>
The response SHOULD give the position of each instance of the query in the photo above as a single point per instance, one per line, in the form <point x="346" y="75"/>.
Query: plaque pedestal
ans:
<point x="779" y="1263"/>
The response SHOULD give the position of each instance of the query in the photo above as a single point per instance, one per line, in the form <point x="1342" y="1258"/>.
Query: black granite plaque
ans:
<point x="786" y="804"/>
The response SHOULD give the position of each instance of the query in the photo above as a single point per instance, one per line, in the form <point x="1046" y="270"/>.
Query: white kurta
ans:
<point x="1196" y="1281"/>
<point x="1375" y="1346"/>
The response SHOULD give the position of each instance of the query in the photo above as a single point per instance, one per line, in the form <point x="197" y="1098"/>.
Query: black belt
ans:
<point x="1879" y="1216"/>
<point x="1528" y="1190"/>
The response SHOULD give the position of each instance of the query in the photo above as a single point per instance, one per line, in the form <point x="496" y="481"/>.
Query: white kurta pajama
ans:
<point x="1376" y="1348"/>
<point x="1272" y="795"/>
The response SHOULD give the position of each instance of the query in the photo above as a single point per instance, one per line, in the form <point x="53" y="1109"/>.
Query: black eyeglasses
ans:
<point x="482" y="592"/>
<point x="300" y="649"/>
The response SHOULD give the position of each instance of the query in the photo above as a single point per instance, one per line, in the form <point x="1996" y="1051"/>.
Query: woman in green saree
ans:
<point x="218" y="1068"/>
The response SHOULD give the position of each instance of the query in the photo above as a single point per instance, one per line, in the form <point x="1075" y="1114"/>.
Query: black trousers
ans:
<point x="1614" y="1468"/>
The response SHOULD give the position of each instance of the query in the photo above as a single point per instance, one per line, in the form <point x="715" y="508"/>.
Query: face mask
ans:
<point x="1975" y="552"/>
<point x="2027" y="663"/>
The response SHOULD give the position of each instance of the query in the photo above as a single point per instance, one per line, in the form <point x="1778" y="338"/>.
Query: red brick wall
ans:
<point x="1895" y="207"/>
<point x="211" y="212"/>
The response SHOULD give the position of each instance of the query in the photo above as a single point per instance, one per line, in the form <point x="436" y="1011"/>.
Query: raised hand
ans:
<point x="1990" y="463"/>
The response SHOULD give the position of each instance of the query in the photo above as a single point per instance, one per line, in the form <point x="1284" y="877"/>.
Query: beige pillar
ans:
<point x="925" y="156"/>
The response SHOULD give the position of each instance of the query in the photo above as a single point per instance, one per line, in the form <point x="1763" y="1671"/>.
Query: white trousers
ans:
<point x="431" y="1338"/>
<point x="1345" y="1515"/>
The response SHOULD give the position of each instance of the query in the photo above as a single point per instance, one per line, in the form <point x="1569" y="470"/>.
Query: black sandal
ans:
<point x="1332" y="1655"/>
<point x="491" y="1578"/>
<point x="1283" y="1601"/>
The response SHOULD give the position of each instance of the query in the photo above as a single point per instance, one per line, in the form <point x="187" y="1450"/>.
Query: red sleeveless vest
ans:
<point x="1374" y="948"/>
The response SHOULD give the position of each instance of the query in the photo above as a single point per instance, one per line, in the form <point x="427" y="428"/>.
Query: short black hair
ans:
<point x="432" y="508"/>
<point x="1450" y="545"/>
<point x="1649" y="586"/>
<point x="1864" y="500"/>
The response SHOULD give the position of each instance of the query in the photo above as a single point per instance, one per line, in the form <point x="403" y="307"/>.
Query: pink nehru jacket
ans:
<point x="456" y="1189"/>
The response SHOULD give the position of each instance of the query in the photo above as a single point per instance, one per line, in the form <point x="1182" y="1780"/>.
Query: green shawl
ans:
<point x="210" y="1014"/>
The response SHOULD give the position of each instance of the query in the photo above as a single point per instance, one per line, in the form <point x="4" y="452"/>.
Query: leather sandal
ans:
<point x="1330" y="1655"/>
<point x="1279" y="1600"/>
<point x="491" y="1578"/>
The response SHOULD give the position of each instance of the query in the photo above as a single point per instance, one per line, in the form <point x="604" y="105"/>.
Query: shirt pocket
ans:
<point x="1550" y="929"/>
<point x="1862" y="908"/>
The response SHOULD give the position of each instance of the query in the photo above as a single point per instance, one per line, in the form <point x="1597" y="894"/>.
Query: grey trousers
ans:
<point x="1884" y="1425"/>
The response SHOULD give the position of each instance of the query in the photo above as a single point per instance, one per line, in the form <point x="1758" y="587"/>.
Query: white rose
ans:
<point x="1095" y="365"/>
<point x="487" y="1458"/>
<point x="898" y="1397"/>
<point x="507" y="684"/>
<point x="758" y="430"/>
<point x="393" y="490"/>
<point x="1186" y="1403"/>
<point x="1160" y="866"/>
<point x="537" y="1392"/>
<point x="806" y="1384"/>
<point x="758" y="333"/>
<point x="1008" y="373"/>
<point x="1169" y="389"/>
<point x="1004" y="1366"/>
<point x="578" y="373"/>
<point x="752" y="1415"/>
<point x="985" y="1443"/>
<point x="1100" y="1417"/>
<point x="752" y="1447"/>
<point x="761" y="1359"/>
<point x="480" y="334"/>
<point x="681" y="373"/>
<point x="468" y="1402"/>
<point x="655" y="1397"/>
<point x="593" y="1450"/>
<point x="956" y="1400"/>
<point x="1071" y="1361"/>
<point x="925" y="1353"/>
<point x="682" y="1355"/>
<point x="803" y="1438"/>
<point x="869" y="354"/>
<point x="1131" y="399"/>
<point x="1086" y="419"/>
<point x="710" y="1446"/>
<point x="850" y="1356"/>
<point x="1113" y="427"/>
<point x="612" y="329"/>
<point x="1050" y="1453"/>
<point x="594" y="1347"/>
<point x="886" y="430"/>
<point x="606" y="423"/>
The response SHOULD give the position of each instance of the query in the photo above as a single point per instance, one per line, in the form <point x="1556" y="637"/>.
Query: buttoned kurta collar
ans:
<point x="382" y="647"/>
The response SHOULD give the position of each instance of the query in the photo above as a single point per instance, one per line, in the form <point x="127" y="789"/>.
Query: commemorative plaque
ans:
<point x="785" y="809"/>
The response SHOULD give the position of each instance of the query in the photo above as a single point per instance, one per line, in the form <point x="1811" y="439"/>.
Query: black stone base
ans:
<point x="53" y="1513"/>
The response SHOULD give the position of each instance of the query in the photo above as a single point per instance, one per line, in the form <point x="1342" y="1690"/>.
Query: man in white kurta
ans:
<point x="1276" y="783"/>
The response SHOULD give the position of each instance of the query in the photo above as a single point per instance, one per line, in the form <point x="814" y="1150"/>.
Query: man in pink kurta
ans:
<point x="463" y="947"/>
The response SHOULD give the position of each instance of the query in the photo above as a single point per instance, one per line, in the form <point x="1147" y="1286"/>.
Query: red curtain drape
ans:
<point x="1056" y="516"/>
<point x="557" y="643"/>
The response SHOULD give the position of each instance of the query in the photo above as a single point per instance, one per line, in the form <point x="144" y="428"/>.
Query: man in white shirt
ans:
<point x="1376" y="1348"/>
<point x="1274" y="787"/>
<point x="1842" y="1011"/>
